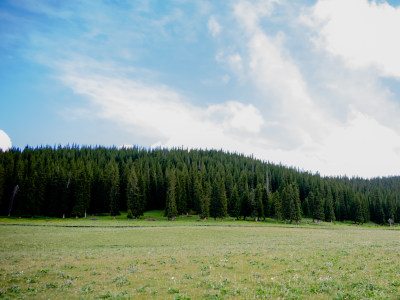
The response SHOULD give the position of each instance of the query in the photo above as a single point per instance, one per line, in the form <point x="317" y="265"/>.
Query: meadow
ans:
<point x="139" y="259"/>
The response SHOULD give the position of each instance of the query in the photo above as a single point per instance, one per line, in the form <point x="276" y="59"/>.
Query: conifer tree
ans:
<point x="317" y="207"/>
<point x="80" y="186"/>
<point x="214" y="201"/>
<point x="170" y="206"/>
<point x="218" y="204"/>
<point x="235" y="200"/>
<point x="358" y="215"/>
<point x="205" y="196"/>
<point x="286" y="205"/>
<point x="133" y="199"/>
<point x="277" y="206"/>
<point x="329" y="212"/>
<point x="259" y="209"/>
<point x="245" y="204"/>
<point x="197" y="193"/>
<point x="223" y="203"/>
<point x="267" y="202"/>
<point x="295" y="212"/>
<point x="112" y="177"/>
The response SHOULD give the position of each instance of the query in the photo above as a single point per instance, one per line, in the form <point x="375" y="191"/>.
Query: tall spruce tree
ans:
<point x="235" y="200"/>
<point x="259" y="207"/>
<point x="218" y="204"/>
<point x="295" y="211"/>
<point x="205" y="196"/>
<point x="317" y="207"/>
<point x="170" y="206"/>
<point x="329" y="212"/>
<point x="133" y="198"/>
<point x="112" y="177"/>
<point x="277" y="206"/>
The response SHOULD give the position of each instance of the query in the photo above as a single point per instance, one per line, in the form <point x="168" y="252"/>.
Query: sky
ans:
<point x="313" y="84"/>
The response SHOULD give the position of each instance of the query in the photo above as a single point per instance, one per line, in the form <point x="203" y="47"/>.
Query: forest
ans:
<point x="75" y="181"/>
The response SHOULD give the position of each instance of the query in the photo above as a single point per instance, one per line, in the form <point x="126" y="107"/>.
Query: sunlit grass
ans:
<point x="180" y="262"/>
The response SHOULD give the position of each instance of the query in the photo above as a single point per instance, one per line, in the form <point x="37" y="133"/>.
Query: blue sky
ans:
<point x="313" y="84"/>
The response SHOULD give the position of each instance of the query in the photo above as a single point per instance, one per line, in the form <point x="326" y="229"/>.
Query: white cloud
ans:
<point x="363" y="33"/>
<point x="235" y="116"/>
<point x="301" y="132"/>
<point x="269" y="66"/>
<point x="160" y="112"/>
<point x="363" y="146"/>
<point x="213" y="26"/>
<point x="253" y="11"/>
<point x="5" y="141"/>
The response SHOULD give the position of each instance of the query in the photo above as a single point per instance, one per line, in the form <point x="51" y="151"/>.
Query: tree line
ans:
<point x="75" y="181"/>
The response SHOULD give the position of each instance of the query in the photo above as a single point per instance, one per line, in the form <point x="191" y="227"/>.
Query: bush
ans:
<point x="129" y="215"/>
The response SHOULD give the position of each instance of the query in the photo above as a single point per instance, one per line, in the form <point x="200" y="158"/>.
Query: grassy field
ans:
<point x="181" y="260"/>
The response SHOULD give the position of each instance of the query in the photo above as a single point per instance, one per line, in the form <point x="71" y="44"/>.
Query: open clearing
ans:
<point x="187" y="261"/>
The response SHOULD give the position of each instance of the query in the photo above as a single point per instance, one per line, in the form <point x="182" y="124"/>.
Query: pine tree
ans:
<point x="245" y="204"/>
<point x="317" y="207"/>
<point x="205" y="195"/>
<point x="329" y="212"/>
<point x="286" y="205"/>
<point x="295" y="211"/>
<point x="133" y="198"/>
<point x="277" y="206"/>
<point x="214" y="200"/>
<point x="218" y="204"/>
<point x="259" y="209"/>
<point x="267" y="203"/>
<point x="235" y="200"/>
<point x="80" y="186"/>
<point x="305" y="207"/>
<point x="223" y="203"/>
<point x="358" y="215"/>
<point x="170" y="206"/>
<point x="112" y="178"/>
<point x="197" y="193"/>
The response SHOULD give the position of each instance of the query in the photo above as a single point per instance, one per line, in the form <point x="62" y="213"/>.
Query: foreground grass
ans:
<point x="180" y="262"/>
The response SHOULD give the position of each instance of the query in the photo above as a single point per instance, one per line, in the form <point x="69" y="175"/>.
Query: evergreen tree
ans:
<point x="80" y="190"/>
<point x="317" y="207"/>
<point x="259" y="207"/>
<point x="170" y="206"/>
<point x="205" y="196"/>
<point x="277" y="206"/>
<point x="218" y="204"/>
<point x="286" y="207"/>
<point x="295" y="212"/>
<point x="112" y="177"/>
<point x="133" y="197"/>
<point x="245" y="203"/>
<point x="235" y="200"/>
<point x="329" y="212"/>
<point x="306" y="208"/>
<point x="358" y="215"/>
<point x="267" y="202"/>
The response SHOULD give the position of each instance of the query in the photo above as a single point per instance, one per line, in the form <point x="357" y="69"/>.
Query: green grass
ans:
<point x="160" y="220"/>
<point x="181" y="260"/>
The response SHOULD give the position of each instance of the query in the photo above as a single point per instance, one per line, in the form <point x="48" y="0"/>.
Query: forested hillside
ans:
<point x="72" y="181"/>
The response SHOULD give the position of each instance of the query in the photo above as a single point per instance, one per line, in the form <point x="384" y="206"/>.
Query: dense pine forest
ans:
<point x="75" y="181"/>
